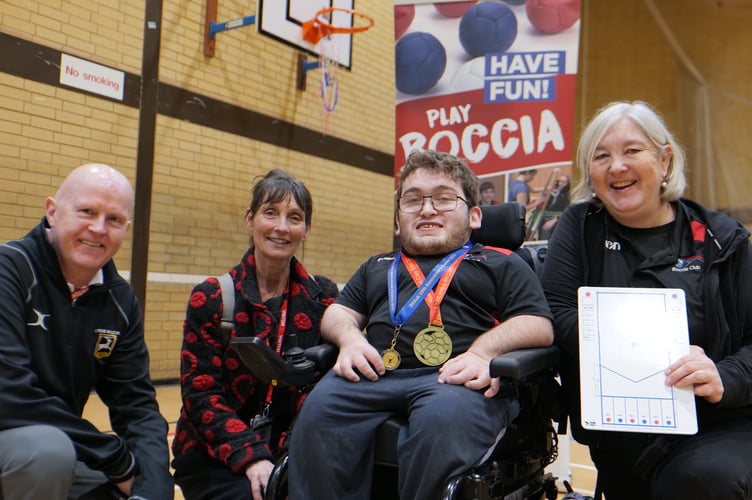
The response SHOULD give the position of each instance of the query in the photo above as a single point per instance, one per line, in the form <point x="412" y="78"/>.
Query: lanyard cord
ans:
<point x="424" y="289"/>
<point x="280" y="337"/>
<point x="433" y="299"/>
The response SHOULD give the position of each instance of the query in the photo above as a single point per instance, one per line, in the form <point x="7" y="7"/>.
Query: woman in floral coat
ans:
<point x="218" y="454"/>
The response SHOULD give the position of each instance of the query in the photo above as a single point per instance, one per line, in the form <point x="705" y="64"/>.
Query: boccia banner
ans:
<point x="492" y="81"/>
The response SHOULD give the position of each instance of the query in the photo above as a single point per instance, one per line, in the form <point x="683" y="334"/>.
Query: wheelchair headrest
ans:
<point x="502" y="226"/>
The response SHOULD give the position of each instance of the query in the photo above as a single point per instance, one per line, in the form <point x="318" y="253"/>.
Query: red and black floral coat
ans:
<point x="219" y="393"/>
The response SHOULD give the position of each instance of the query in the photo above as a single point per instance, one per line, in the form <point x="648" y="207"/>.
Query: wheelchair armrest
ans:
<point x="268" y="366"/>
<point x="323" y="355"/>
<point x="522" y="363"/>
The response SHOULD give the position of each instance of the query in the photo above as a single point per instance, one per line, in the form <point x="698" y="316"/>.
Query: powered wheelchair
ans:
<point x="516" y="468"/>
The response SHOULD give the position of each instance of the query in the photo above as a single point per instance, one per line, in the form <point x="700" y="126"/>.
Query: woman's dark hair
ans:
<point x="276" y="186"/>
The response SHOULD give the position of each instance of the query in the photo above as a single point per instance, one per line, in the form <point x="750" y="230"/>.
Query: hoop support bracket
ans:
<point x="303" y="66"/>
<point x="212" y="27"/>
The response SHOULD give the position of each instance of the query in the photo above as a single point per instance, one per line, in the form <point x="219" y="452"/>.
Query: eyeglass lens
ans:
<point x="442" y="202"/>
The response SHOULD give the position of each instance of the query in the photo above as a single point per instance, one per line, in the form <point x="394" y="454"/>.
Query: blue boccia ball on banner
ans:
<point x="420" y="60"/>
<point x="488" y="27"/>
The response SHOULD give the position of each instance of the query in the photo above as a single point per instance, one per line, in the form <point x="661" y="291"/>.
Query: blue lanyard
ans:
<point x="411" y="305"/>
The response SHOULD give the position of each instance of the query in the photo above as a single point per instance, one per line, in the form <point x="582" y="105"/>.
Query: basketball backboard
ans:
<point x="283" y="21"/>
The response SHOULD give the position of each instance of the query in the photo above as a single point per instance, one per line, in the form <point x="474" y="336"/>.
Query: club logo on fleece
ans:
<point x="695" y="263"/>
<point x="41" y="317"/>
<point x="106" y="341"/>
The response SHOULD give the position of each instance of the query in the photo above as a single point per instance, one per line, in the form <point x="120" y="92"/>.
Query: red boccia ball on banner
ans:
<point x="552" y="16"/>
<point x="403" y="17"/>
<point x="453" y="9"/>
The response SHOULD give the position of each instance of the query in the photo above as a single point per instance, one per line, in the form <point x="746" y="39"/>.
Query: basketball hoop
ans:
<point x="321" y="26"/>
<point x="321" y="31"/>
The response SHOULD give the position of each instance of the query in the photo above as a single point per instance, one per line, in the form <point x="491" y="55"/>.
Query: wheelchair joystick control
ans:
<point x="295" y="357"/>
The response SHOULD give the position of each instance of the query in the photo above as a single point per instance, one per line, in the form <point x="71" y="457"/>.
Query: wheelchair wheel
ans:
<point x="477" y="485"/>
<point x="276" y="487"/>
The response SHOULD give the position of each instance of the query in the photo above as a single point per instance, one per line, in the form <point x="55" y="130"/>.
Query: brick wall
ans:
<point x="202" y="176"/>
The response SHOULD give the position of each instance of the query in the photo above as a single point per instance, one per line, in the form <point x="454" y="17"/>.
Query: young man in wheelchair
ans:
<point x="416" y="329"/>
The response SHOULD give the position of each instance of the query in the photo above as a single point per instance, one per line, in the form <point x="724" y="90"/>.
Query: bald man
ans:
<point x="69" y="324"/>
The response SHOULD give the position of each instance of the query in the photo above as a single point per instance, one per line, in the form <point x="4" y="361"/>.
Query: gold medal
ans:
<point x="432" y="346"/>
<point x="391" y="359"/>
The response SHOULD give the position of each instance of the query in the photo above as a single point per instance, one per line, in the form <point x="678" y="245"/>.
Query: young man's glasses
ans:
<point x="441" y="202"/>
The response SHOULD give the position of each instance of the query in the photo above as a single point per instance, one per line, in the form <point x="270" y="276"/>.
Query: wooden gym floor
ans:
<point x="580" y="467"/>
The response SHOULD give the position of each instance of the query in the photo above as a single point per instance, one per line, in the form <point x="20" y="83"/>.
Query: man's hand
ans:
<point x="126" y="486"/>
<point x="258" y="474"/>
<point x="470" y="370"/>
<point x="697" y="370"/>
<point x="358" y="354"/>
<point x="343" y="327"/>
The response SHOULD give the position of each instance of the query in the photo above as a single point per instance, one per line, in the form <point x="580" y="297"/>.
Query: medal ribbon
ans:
<point x="433" y="299"/>
<point x="444" y="270"/>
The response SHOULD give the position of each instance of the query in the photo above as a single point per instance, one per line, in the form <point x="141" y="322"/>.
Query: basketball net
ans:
<point x="329" y="70"/>
<point x="331" y="41"/>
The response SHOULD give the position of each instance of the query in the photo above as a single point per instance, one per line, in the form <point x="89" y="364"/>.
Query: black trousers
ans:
<point x="450" y="429"/>
<point x="202" y="478"/>
<point x="714" y="464"/>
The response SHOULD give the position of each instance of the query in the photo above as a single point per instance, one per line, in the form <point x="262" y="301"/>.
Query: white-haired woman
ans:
<point x="630" y="227"/>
